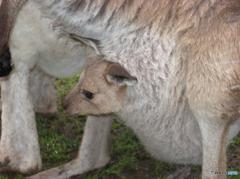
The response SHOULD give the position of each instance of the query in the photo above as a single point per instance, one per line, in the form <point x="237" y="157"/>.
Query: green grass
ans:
<point x="60" y="137"/>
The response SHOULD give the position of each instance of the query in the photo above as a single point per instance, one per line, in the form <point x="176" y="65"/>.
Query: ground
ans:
<point x="60" y="136"/>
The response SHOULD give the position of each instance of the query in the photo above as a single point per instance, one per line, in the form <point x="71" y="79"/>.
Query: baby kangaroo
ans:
<point x="103" y="89"/>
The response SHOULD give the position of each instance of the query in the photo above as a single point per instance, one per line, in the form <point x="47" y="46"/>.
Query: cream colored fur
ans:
<point x="43" y="92"/>
<point x="177" y="141"/>
<point x="185" y="55"/>
<point x="36" y="50"/>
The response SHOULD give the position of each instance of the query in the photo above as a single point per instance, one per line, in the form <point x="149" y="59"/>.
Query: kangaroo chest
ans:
<point x="157" y="109"/>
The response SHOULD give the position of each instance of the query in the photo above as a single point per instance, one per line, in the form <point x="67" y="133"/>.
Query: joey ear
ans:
<point x="116" y="74"/>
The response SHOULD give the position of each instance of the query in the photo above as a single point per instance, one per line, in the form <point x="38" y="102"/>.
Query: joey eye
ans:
<point x="87" y="94"/>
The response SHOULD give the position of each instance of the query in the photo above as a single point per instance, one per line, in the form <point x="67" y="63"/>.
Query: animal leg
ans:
<point x="19" y="148"/>
<point x="43" y="92"/>
<point x="93" y="152"/>
<point x="214" y="143"/>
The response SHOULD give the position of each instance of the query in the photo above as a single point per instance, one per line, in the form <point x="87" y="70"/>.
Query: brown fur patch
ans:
<point x="4" y="33"/>
<point x="231" y="11"/>
<point x="8" y="14"/>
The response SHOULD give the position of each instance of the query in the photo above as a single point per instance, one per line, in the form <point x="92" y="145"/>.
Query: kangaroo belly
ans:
<point x="35" y="43"/>
<point x="175" y="142"/>
<point x="167" y="137"/>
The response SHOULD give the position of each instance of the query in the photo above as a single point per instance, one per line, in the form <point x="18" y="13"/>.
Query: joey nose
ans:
<point x="5" y="63"/>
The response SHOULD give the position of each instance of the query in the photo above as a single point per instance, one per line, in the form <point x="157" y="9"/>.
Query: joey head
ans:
<point x="100" y="90"/>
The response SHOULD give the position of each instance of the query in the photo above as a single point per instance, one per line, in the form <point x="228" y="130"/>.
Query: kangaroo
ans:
<point x="39" y="55"/>
<point x="185" y="55"/>
<point x="101" y="89"/>
<point x="104" y="88"/>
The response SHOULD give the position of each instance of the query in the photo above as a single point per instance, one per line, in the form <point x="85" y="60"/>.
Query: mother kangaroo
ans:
<point x="185" y="55"/>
